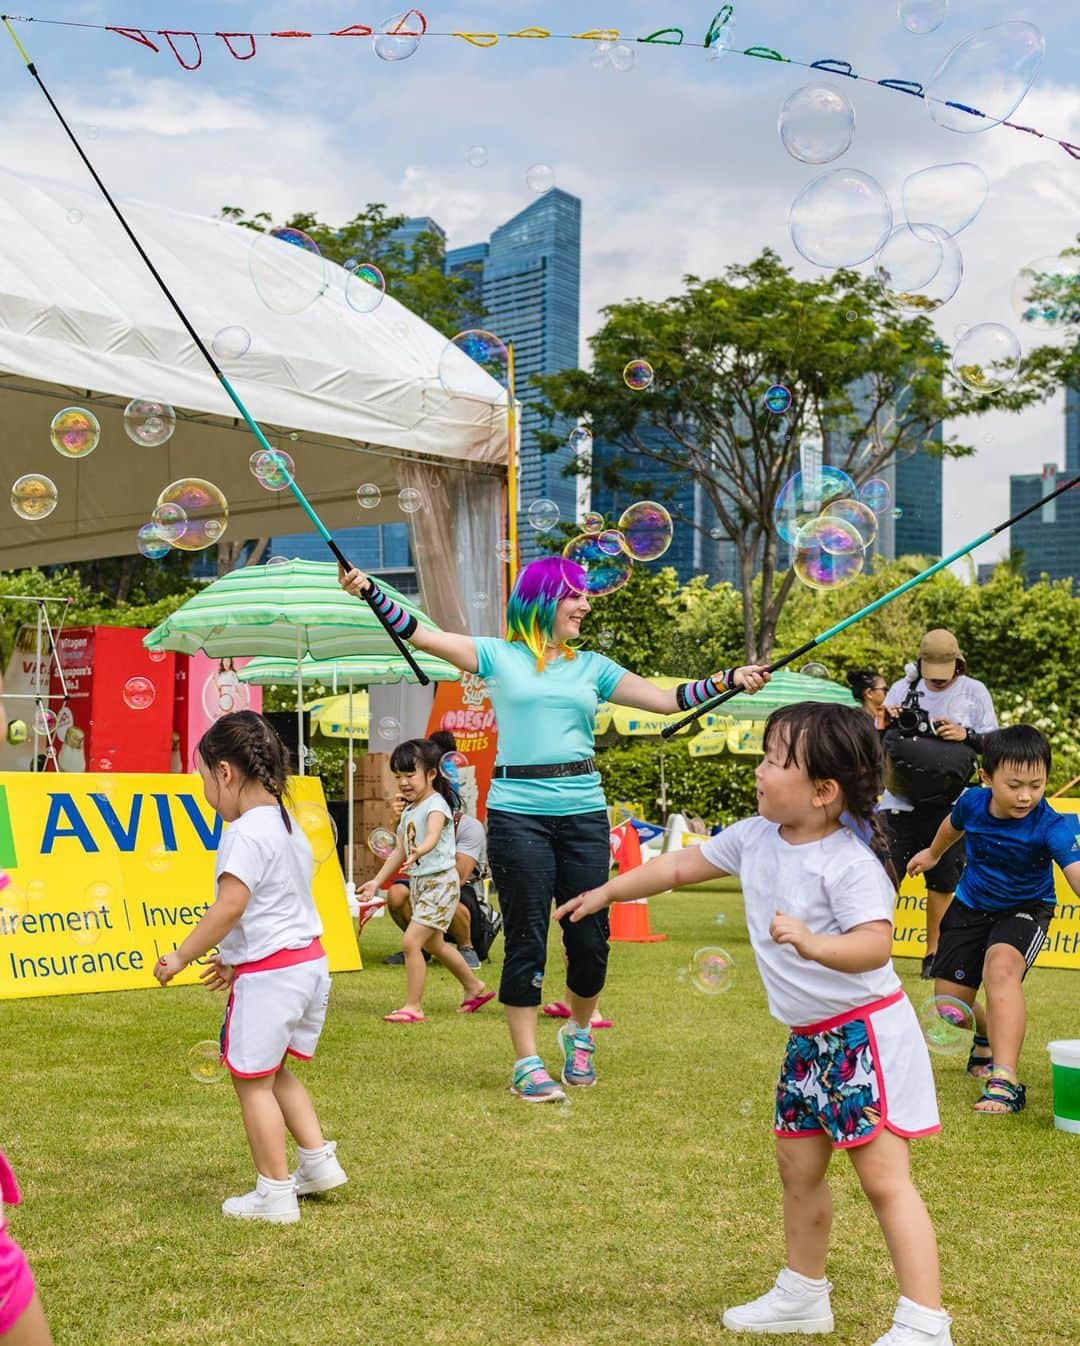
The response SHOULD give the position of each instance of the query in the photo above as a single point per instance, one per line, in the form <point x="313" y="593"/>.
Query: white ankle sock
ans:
<point x="313" y="1154"/>
<point x="276" y="1184"/>
<point x="938" y="1314"/>
<point x="808" y="1281"/>
<point x="575" y="1027"/>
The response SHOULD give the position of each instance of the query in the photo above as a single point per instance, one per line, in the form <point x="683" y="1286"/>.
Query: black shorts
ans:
<point x="913" y="831"/>
<point x="966" y="934"/>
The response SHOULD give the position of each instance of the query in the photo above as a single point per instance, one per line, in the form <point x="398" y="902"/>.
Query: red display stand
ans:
<point x="119" y="710"/>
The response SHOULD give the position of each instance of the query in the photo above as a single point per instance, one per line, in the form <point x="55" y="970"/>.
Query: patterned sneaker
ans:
<point x="532" y="1083"/>
<point x="577" y="1047"/>
<point x="319" y="1172"/>
<point x="272" y="1201"/>
<point x="792" y="1305"/>
<point x="912" y="1325"/>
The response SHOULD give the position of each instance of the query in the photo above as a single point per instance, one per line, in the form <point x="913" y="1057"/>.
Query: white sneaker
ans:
<point x="914" y="1325"/>
<point x="319" y="1173"/>
<point x="790" y="1306"/>
<point x="272" y="1201"/>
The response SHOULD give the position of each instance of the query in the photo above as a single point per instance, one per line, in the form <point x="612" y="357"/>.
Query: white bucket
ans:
<point x="1065" y="1067"/>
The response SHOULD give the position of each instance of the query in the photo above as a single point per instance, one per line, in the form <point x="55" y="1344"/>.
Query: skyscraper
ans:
<point x="529" y="279"/>
<point x="1048" y="541"/>
<point x="411" y="229"/>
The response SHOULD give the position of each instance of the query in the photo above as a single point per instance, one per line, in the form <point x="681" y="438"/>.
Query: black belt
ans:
<point x="546" y="770"/>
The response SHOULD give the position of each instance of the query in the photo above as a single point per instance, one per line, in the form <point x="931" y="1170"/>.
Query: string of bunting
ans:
<point x="241" y="46"/>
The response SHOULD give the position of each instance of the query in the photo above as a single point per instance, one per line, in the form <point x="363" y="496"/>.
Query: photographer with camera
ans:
<point x="939" y="715"/>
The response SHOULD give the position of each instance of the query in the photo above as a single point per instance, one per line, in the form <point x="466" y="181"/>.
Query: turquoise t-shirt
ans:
<point x="545" y="717"/>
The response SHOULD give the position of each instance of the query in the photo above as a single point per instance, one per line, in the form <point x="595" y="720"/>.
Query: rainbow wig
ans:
<point x="530" y="613"/>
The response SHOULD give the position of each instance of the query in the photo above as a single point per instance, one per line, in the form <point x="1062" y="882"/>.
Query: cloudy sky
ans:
<point x="677" y="160"/>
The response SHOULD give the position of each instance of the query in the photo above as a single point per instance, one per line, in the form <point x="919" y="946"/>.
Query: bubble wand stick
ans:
<point x="234" y="397"/>
<point x="707" y="706"/>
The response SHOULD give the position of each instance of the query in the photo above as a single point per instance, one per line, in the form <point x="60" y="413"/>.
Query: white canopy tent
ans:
<point x="82" y="322"/>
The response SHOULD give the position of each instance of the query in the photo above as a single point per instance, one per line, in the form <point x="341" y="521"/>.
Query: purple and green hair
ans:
<point x="538" y="590"/>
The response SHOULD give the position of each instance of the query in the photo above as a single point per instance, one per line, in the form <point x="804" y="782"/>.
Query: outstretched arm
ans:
<point x="947" y="836"/>
<point x="642" y="694"/>
<point x="677" y="869"/>
<point x="449" y="645"/>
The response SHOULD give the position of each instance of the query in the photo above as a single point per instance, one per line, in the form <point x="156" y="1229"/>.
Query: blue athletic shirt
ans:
<point x="545" y="717"/>
<point x="1010" y="860"/>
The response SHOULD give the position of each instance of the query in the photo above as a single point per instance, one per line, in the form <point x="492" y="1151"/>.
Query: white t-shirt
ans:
<point x="966" y="702"/>
<point x="412" y="831"/>
<point x="832" y="885"/>
<point x="276" y="866"/>
<point x="471" y="840"/>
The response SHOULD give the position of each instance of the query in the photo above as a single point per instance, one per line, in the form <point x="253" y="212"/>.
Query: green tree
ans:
<point x="867" y="385"/>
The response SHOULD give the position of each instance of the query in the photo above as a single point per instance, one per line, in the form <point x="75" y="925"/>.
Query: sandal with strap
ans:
<point x="999" y="1089"/>
<point x="979" y="1067"/>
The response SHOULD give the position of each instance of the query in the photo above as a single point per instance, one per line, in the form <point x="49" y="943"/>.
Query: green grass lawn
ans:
<point x="632" y="1215"/>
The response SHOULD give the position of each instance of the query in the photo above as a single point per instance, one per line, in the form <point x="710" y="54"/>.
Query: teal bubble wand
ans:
<point x="231" y="392"/>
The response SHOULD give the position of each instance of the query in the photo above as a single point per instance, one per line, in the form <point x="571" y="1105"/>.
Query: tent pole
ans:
<point x="511" y="468"/>
<point x="351" y="885"/>
<point x="301" y="751"/>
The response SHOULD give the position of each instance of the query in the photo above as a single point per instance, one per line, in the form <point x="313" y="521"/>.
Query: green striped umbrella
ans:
<point x="782" y="689"/>
<point x="362" y="671"/>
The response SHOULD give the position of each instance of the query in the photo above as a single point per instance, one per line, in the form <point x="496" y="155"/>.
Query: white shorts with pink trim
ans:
<point x="854" y="1074"/>
<point x="274" y="1013"/>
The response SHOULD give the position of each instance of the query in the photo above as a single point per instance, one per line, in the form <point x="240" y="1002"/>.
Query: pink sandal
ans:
<point x="403" y="1016"/>
<point x="556" y="1010"/>
<point x="475" y="1002"/>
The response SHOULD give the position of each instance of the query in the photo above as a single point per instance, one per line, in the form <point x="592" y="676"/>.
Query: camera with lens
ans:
<point x="913" y="722"/>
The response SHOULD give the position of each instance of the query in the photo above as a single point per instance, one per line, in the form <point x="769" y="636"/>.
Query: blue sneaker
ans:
<point x="577" y="1047"/>
<point x="532" y="1083"/>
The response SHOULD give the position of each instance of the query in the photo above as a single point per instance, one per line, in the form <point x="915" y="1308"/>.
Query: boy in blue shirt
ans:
<point x="997" y="922"/>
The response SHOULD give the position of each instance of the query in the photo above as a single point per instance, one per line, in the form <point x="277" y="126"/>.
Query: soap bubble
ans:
<point x="476" y="156"/>
<point x="34" y="496"/>
<point x="365" y="288"/>
<point x="368" y="496"/>
<point x="232" y="343"/>
<point x="149" y="424"/>
<point x="381" y="842"/>
<point x="204" y="1062"/>
<point x="580" y="439"/>
<point x="206" y="508"/>
<point x="947" y="1025"/>
<point x="876" y="494"/>
<point x="139" y="693"/>
<point x="388" y="728"/>
<point x="746" y="1107"/>
<point x="540" y="178"/>
<point x="989" y="72"/>
<point x="74" y="216"/>
<point x="647" y="530"/>
<point x="465" y="356"/>
<point x="504" y="549"/>
<point x="962" y="709"/>
<point x="816" y="124"/>
<point x="828" y="567"/>
<point x="814" y="670"/>
<point x="986" y="358"/>
<point x="410" y="500"/>
<point x="721" y="36"/>
<point x="777" y="399"/>
<point x="922" y="16"/>
<point x="712" y="971"/>
<point x="591" y="571"/>
<point x="919" y="268"/>
<point x="16" y="733"/>
<point x="861" y="517"/>
<point x="275" y="470"/>
<point x="543" y="515"/>
<point x="605" y="639"/>
<point x="75" y="432"/>
<point x="351" y="263"/>
<point x="152" y="543"/>
<point x="1046" y="293"/>
<point x="948" y="195"/>
<point x="170" y="521"/>
<point x="451" y="765"/>
<point x="319" y="827"/>
<point x="287" y="270"/>
<point x="638" y="375"/>
<point x="44" y="721"/>
<point x="592" y="522"/>
<point x="805" y="495"/>
<point x="898" y="513"/>
<point x="610" y="541"/>
<point x="609" y="55"/>
<point x="398" y="37"/>
<point x="841" y="218"/>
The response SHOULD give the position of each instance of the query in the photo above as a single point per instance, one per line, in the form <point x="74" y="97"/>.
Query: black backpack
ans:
<point x="922" y="767"/>
<point x="485" y="922"/>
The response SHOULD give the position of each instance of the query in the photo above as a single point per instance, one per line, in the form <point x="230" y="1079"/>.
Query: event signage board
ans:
<point x="466" y="710"/>
<point x="109" y="871"/>
<point x="1062" y="947"/>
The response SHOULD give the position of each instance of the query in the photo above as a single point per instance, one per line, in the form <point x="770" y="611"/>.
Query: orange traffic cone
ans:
<point x="630" y="920"/>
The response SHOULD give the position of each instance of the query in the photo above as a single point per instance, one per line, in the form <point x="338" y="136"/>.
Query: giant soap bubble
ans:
<point x="986" y="357"/>
<point x="467" y="357"/>
<point x="593" y="571"/>
<point x="206" y="509"/>
<point x="287" y="270"/>
<point x="816" y="124"/>
<point x="988" y="73"/>
<point x="919" y="267"/>
<point x="840" y="219"/>
<point x="948" y="195"/>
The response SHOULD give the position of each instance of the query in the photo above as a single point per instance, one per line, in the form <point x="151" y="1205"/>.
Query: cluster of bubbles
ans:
<point x="409" y="499"/>
<point x="829" y="523"/>
<point x="190" y="515"/>
<point x="644" y="532"/>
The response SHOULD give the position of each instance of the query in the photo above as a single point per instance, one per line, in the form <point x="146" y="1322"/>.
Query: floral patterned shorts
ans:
<point x="839" y="1077"/>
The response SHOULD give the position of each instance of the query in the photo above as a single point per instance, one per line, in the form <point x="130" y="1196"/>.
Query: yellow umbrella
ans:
<point x="330" y="715"/>
<point x="630" y="722"/>
<point x="738" y="736"/>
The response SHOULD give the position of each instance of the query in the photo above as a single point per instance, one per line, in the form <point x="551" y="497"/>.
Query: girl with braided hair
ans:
<point x="269" y="957"/>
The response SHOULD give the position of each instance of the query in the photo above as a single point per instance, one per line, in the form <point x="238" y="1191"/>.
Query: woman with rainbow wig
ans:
<point x="546" y="814"/>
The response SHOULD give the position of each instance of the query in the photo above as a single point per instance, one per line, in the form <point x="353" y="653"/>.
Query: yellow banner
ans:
<point x="1062" y="947"/>
<point x="108" y="872"/>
